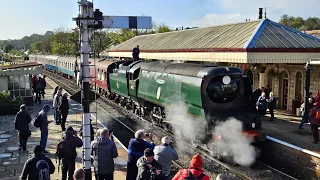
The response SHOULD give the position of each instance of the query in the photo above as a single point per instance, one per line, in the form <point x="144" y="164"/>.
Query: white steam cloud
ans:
<point x="183" y="124"/>
<point x="233" y="143"/>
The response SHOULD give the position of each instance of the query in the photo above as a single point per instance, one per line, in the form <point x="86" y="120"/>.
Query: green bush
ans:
<point x="5" y="98"/>
<point x="8" y="105"/>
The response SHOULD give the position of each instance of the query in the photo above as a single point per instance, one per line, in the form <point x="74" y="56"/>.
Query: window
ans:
<point x="298" y="89"/>
<point x="20" y="85"/>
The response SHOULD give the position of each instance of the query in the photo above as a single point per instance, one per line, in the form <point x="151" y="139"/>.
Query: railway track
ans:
<point x="236" y="172"/>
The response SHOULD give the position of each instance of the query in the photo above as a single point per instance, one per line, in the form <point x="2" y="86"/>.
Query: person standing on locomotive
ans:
<point x="135" y="53"/>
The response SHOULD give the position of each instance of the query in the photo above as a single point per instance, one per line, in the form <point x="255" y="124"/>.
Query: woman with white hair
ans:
<point x="135" y="151"/>
<point x="164" y="154"/>
<point x="64" y="110"/>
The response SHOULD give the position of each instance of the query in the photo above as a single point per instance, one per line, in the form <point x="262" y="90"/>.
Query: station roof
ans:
<point x="21" y="69"/>
<point x="250" y="36"/>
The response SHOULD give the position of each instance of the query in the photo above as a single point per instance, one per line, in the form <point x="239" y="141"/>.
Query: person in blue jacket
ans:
<point x="135" y="151"/>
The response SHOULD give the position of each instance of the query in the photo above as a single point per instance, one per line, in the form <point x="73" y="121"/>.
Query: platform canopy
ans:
<point x="261" y="41"/>
<point x="21" y="69"/>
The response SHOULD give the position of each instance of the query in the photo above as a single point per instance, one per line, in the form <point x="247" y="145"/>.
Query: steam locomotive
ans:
<point x="211" y="93"/>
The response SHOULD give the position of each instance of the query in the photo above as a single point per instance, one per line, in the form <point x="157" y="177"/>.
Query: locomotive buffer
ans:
<point x="88" y="21"/>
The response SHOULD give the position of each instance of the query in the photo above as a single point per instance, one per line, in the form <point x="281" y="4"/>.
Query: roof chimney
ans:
<point x="260" y="13"/>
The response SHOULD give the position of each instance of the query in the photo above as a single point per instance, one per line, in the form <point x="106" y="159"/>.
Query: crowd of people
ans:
<point x="266" y="100"/>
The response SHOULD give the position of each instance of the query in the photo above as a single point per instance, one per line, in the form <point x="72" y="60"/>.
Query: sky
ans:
<point x="21" y="18"/>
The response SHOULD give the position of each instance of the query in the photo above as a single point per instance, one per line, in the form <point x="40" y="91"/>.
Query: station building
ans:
<point x="267" y="52"/>
<point x="16" y="78"/>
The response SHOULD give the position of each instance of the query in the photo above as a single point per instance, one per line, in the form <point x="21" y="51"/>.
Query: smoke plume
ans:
<point x="184" y="125"/>
<point x="234" y="143"/>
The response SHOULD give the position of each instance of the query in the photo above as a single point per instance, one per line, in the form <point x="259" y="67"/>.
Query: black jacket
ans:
<point x="144" y="173"/>
<point x="22" y="121"/>
<point x="64" y="106"/>
<point x="29" y="169"/>
<point x="43" y="83"/>
<point x="74" y="142"/>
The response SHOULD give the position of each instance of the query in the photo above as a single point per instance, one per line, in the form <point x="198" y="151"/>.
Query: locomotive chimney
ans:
<point x="260" y="13"/>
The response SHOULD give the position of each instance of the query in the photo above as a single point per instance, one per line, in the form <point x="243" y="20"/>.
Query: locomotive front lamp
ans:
<point x="226" y="80"/>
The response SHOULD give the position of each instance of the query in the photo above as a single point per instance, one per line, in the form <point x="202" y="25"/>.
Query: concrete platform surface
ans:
<point x="12" y="160"/>
<point x="285" y="128"/>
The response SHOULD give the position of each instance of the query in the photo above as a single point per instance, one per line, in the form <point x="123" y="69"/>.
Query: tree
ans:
<point x="101" y="41"/>
<point x="311" y="23"/>
<point x="36" y="47"/>
<point x="163" y="28"/>
<point x="7" y="48"/>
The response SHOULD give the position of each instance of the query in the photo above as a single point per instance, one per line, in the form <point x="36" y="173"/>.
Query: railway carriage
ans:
<point x="51" y="63"/>
<point x="66" y="66"/>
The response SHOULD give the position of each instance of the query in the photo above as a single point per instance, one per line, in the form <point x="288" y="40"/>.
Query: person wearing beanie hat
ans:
<point x="44" y="127"/>
<point x="148" y="167"/>
<point x="21" y="124"/>
<point x="30" y="170"/>
<point x="56" y="105"/>
<point x="194" y="170"/>
<point x="164" y="154"/>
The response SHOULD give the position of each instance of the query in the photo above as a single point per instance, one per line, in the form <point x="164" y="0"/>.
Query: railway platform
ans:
<point x="289" y="148"/>
<point x="12" y="162"/>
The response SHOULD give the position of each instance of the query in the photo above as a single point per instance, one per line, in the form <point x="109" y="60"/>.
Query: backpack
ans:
<point x="42" y="169"/>
<point x="37" y="120"/>
<point x="191" y="177"/>
<point x="64" y="150"/>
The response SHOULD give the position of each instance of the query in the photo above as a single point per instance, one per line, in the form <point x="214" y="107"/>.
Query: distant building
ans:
<point x="16" y="78"/>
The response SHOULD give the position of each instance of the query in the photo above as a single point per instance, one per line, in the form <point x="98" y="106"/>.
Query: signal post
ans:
<point x="89" y="20"/>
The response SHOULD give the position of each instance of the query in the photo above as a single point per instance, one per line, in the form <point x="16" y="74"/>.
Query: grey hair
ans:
<point x="104" y="132"/>
<point x="139" y="133"/>
<point x="222" y="177"/>
<point x="165" y="140"/>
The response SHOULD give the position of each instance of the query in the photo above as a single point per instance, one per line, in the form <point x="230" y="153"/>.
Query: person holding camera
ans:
<point x="71" y="142"/>
<point x="136" y="149"/>
<point x="164" y="154"/>
<point x="148" y="167"/>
